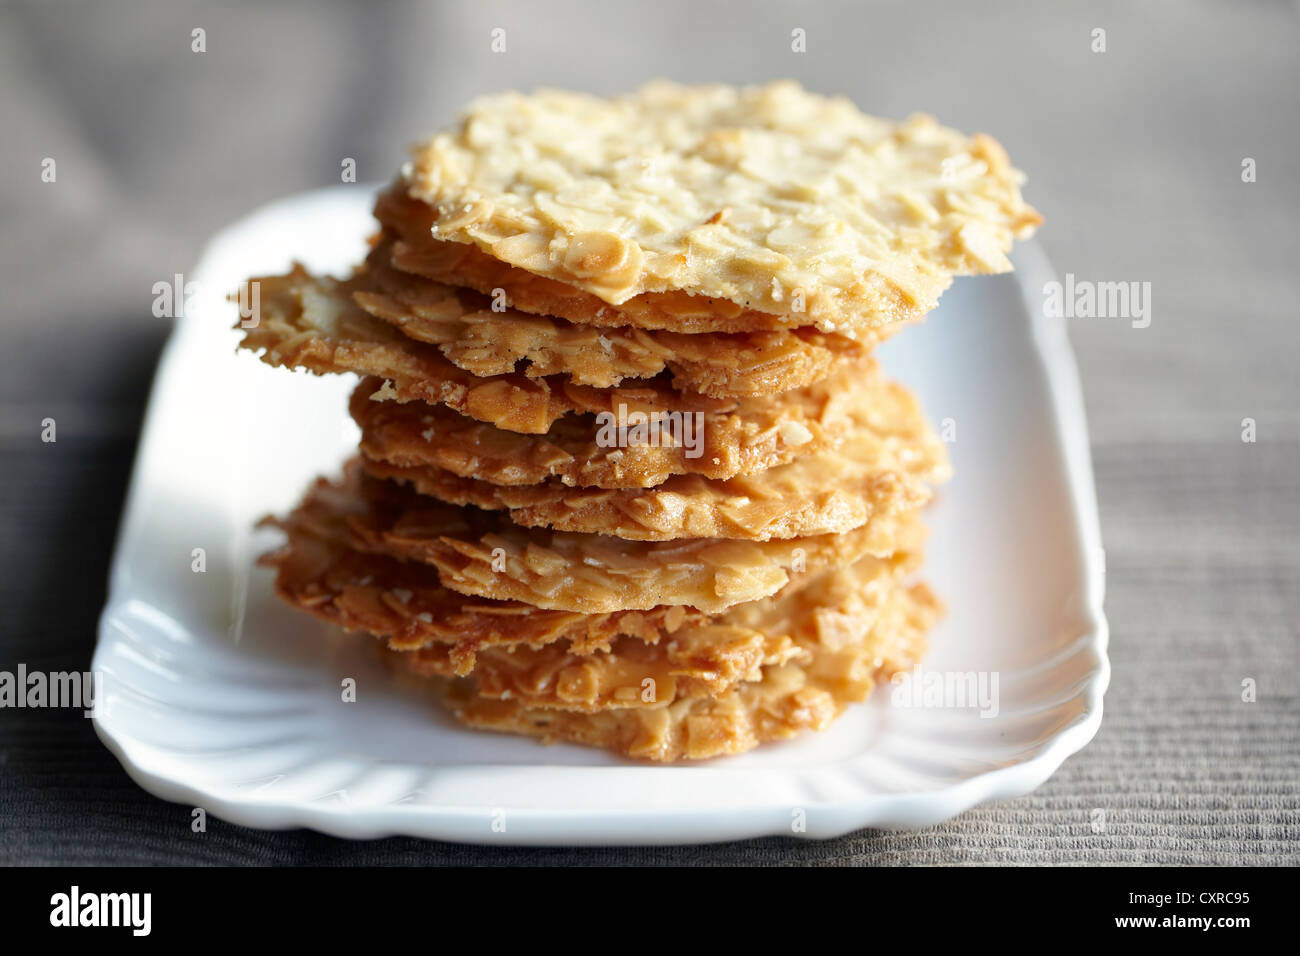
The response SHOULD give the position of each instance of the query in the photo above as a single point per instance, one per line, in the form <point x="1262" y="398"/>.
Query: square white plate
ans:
<point x="217" y="696"/>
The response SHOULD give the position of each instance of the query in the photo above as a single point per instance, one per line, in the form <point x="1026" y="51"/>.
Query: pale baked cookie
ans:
<point x="790" y="697"/>
<point x="749" y="436"/>
<point x="885" y="464"/>
<point x="486" y="341"/>
<point x="410" y="223"/>
<point x="704" y="660"/>
<point x="312" y="323"/>
<point x="483" y="553"/>
<point x="769" y="197"/>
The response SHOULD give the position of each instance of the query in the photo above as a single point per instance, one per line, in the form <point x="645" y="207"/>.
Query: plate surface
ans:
<point x="217" y="696"/>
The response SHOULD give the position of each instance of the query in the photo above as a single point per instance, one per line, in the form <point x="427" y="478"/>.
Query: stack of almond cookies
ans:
<point x="629" y="476"/>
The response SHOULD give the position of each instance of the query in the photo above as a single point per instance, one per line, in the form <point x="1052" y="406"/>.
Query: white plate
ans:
<point x="217" y="696"/>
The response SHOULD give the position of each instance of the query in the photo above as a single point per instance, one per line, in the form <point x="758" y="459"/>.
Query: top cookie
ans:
<point x="768" y="197"/>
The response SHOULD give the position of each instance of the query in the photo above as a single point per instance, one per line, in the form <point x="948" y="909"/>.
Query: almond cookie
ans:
<point x="483" y="553"/>
<point x="771" y="198"/>
<point x="406" y="605"/>
<point x="749" y="437"/>
<point x="312" y="323"/>
<point x="884" y="465"/>
<point x="483" y="336"/>
<point x="702" y="660"/>
<point x="798" y="695"/>
<point x="409" y="224"/>
<point x="309" y="322"/>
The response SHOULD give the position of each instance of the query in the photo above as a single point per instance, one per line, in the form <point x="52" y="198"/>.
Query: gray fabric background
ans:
<point x="1134" y="156"/>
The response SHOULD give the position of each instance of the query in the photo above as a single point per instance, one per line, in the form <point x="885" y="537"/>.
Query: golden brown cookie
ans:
<point x="749" y="436"/>
<point x="409" y="223"/>
<point x="797" y="695"/>
<point x="772" y="506"/>
<point x="704" y="659"/>
<point x="405" y="604"/>
<point x="483" y="553"/>
<point x="312" y="323"/>
<point x="883" y="465"/>
<point x="771" y="198"/>
<point x="487" y="341"/>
